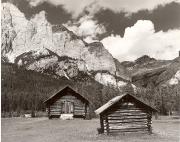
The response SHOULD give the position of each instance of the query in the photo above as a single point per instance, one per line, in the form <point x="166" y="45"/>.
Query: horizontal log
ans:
<point x="68" y="99"/>
<point x="128" y="115"/>
<point x="127" y="123"/>
<point x="79" y="108"/>
<point x="75" y="105"/>
<point x="79" y="111"/>
<point x="54" y="107"/>
<point x="125" y="118"/>
<point x="126" y="126"/>
<point x="129" y="131"/>
<point x="55" y="110"/>
<point x="79" y="105"/>
<point x="133" y="108"/>
<point x="57" y="103"/>
<point x="55" y="113"/>
<point x="80" y="114"/>
<point x="128" y="108"/>
<point x="68" y="96"/>
<point x="128" y="120"/>
<point x="126" y="111"/>
<point x="124" y="123"/>
<point x="129" y="128"/>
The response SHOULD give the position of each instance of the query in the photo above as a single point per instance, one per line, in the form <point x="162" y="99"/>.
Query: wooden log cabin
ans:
<point x="125" y="113"/>
<point x="67" y="102"/>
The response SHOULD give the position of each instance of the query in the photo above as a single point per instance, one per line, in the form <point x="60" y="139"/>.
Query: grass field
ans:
<point x="55" y="130"/>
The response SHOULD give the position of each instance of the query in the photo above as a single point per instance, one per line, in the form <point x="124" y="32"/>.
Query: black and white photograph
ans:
<point x="90" y="70"/>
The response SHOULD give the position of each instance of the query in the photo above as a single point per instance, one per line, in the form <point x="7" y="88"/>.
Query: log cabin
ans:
<point x="125" y="113"/>
<point x="67" y="103"/>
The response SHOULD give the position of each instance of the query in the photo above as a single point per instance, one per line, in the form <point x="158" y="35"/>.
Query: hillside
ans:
<point x="24" y="90"/>
<point x="158" y="74"/>
<point x="39" y="58"/>
<point x="54" y="50"/>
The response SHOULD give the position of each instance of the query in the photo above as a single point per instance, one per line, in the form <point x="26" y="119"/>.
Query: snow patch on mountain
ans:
<point x="176" y="79"/>
<point x="37" y="45"/>
<point x="107" y="79"/>
<point x="38" y="33"/>
<point x="134" y="88"/>
<point x="121" y="83"/>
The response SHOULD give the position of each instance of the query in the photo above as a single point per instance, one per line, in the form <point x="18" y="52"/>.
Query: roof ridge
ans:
<point x="118" y="98"/>
<point x="62" y="90"/>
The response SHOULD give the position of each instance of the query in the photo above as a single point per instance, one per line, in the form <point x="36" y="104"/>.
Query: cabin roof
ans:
<point x="117" y="99"/>
<point x="61" y="93"/>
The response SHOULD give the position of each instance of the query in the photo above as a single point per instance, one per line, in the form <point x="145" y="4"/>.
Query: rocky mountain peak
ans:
<point x="37" y="45"/>
<point x="144" y="59"/>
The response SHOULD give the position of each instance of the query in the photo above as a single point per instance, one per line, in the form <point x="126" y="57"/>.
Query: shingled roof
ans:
<point x="117" y="99"/>
<point x="61" y="93"/>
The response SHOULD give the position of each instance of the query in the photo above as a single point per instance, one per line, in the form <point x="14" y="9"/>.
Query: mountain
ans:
<point x="155" y="72"/>
<point x="39" y="58"/>
<point x="24" y="90"/>
<point x="37" y="45"/>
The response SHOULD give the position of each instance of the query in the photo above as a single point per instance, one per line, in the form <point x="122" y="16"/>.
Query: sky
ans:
<point x="128" y="29"/>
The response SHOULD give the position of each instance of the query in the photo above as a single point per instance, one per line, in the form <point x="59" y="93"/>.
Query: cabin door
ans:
<point x="68" y="107"/>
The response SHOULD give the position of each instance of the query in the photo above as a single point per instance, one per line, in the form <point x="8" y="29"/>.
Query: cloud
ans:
<point x="87" y="28"/>
<point x="163" y="17"/>
<point x="36" y="2"/>
<point x="54" y="14"/>
<point x="73" y="6"/>
<point x="133" y="5"/>
<point x="76" y="7"/>
<point x="141" y="39"/>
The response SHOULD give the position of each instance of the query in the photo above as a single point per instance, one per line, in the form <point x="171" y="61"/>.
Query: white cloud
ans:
<point x="132" y="5"/>
<point x="35" y="2"/>
<point x="73" y="6"/>
<point x="87" y="28"/>
<point x="77" y="6"/>
<point x="141" y="39"/>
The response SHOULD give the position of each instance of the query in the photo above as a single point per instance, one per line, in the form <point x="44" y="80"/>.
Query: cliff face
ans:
<point x="158" y="73"/>
<point x="37" y="45"/>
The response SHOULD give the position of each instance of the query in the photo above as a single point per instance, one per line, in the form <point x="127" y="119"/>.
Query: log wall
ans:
<point x="126" y="117"/>
<point x="80" y="108"/>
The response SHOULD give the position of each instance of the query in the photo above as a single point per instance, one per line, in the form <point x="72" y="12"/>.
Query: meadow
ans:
<point x="42" y="129"/>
